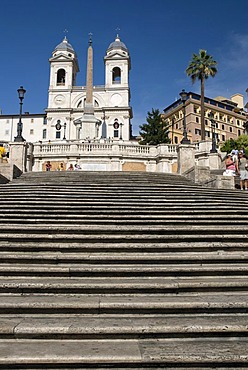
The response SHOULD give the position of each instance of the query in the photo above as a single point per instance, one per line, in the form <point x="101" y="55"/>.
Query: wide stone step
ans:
<point x="119" y="235"/>
<point x="98" y="255"/>
<point x="129" y="231"/>
<point x="193" y="304"/>
<point x="119" y="327"/>
<point x="68" y="219"/>
<point x="124" y="285"/>
<point x="109" y="353"/>
<point x="134" y="270"/>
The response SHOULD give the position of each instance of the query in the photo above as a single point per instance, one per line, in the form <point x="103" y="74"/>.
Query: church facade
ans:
<point x="85" y="113"/>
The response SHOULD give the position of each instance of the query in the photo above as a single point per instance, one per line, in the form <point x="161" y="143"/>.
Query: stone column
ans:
<point x="185" y="157"/>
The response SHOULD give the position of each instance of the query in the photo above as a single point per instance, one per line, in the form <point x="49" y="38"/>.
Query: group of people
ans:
<point x="61" y="167"/>
<point x="237" y="163"/>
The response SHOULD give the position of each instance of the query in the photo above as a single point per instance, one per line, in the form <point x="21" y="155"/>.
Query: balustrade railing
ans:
<point x="70" y="148"/>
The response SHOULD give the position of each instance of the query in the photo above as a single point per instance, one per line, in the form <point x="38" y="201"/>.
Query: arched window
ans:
<point x="61" y="77"/>
<point x="116" y="126"/>
<point x="116" y="75"/>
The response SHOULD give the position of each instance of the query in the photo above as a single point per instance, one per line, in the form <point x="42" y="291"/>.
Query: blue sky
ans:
<point x="161" y="36"/>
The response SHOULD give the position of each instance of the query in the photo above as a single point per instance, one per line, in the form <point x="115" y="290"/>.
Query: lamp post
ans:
<point x="211" y="117"/>
<point x="184" y="96"/>
<point x="21" y="92"/>
<point x="64" y="138"/>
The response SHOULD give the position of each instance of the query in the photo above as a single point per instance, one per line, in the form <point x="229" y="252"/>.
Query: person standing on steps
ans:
<point x="48" y="166"/>
<point x="242" y="169"/>
<point x="230" y="166"/>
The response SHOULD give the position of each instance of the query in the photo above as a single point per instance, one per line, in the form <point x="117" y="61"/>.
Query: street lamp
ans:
<point x="211" y="117"/>
<point x="21" y="92"/>
<point x="64" y="138"/>
<point x="184" y="96"/>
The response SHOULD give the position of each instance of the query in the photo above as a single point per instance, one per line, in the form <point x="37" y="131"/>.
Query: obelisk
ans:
<point x="89" y="120"/>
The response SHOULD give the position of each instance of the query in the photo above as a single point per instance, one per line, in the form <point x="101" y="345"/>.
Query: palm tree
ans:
<point x="200" y="68"/>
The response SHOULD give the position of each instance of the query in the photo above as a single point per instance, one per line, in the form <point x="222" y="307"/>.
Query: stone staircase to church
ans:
<point x="102" y="270"/>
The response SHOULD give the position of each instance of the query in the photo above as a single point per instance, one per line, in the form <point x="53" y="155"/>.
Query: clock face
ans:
<point x="59" y="99"/>
<point x="116" y="99"/>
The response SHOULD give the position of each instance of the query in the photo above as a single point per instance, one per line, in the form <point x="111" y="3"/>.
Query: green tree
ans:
<point x="200" y="68"/>
<point x="240" y="143"/>
<point x="155" y="131"/>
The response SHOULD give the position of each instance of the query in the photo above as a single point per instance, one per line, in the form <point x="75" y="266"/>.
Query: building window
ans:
<point x="197" y="119"/>
<point x="230" y="129"/>
<point x="238" y="123"/>
<point x="116" y="133"/>
<point x="206" y="122"/>
<point x="216" y="125"/>
<point x="223" y="127"/>
<point x="207" y="133"/>
<point x="223" y="138"/>
<point x="176" y="139"/>
<point x="44" y="134"/>
<point x="197" y="131"/>
<point x="32" y="120"/>
<point x="31" y="131"/>
<point x="58" y="134"/>
<point x="45" y="121"/>
<point x="6" y="132"/>
<point x="116" y="75"/>
<point x="239" y="132"/>
<point x="61" y="77"/>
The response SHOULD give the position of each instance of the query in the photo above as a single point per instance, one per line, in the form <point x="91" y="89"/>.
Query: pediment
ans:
<point x="117" y="55"/>
<point x="59" y="57"/>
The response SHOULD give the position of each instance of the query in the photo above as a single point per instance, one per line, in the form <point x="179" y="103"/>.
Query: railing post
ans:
<point x="185" y="157"/>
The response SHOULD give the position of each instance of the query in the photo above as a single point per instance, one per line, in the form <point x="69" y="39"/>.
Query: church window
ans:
<point x="44" y="134"/>
<point x="58" y="134"/>
<point x="116" y="126"/>
<point x="61" y="77"/>
<point x="116" y="73"/>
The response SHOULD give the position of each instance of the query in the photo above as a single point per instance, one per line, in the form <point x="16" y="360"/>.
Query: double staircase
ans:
<point x="116" y="270"/>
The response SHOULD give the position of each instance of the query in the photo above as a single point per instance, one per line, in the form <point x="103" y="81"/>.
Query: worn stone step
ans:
<point x="109" y="327"/>
<point x="134" y="270"/>
<point x="151" y="352"/>
<point x="108" y="285"/>
<point x="118" y="235"/>
<point x="128" y="230"/>
<point x="82" y="220"/>
<point x="97" y="255"/>
<point x="192" y="304"/>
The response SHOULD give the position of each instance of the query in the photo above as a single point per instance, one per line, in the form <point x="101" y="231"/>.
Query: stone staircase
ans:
<point x="104" y="270"/>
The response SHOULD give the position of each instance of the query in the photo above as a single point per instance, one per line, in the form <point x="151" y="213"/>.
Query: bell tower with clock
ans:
<point x="63" y="71"/>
